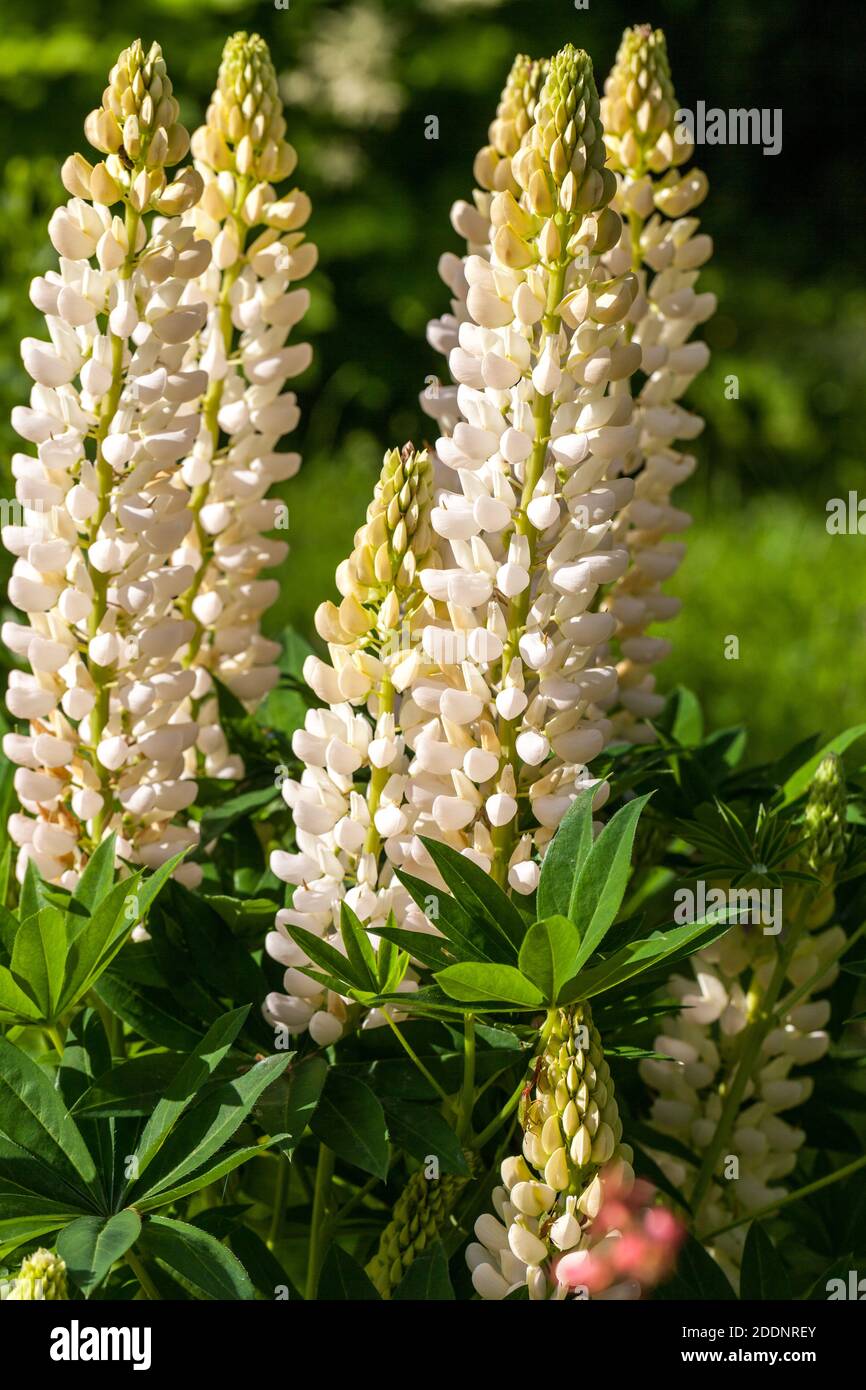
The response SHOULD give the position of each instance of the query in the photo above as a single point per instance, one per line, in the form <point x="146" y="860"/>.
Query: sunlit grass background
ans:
<point x="359" y="79"/>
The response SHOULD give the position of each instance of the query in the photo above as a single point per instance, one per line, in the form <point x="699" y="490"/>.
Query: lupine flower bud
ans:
<point x="259" y="255"/>
<point x="421" y="1216"/>
<point x="105" y="505"/>
<point x="350" y="806"/>
<point x="551" y="1194"/>
<point x="665" y="249"/>
<point x="825" y="820"/>
<point x="42" y="1277"/>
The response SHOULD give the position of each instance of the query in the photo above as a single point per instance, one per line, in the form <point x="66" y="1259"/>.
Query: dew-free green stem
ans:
<point x="417" y="1060"/>
<point x="321" y="1195"/>
<point x="141" y="1274"/>
<point x="467" y="1093"/>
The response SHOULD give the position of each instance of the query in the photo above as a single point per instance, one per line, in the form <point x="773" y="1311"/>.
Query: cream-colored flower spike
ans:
<point x="254" y="302"/>
<point x="492" y="170"/>
<point x="514" y="708"/>
<point x="350" y="806"/>
<point x="721" y="996"/>
<point x="551" y="1193"/>
<point x="104" y="505"/>
<point x="662" y="243"/>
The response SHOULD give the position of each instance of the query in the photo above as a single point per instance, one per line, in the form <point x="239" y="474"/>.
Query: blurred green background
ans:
<point x="359" y="79"/>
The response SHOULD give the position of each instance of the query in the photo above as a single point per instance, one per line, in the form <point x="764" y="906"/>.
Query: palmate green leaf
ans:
<point x="196" y="1070"/>
<point x="550" y="955"/>
<point x="98" y="877"/>
<point x="565" y="858"/>
<point x="427" y="1279"/>
<point x="431" y="951"/>
<point x="39" y="958"/>
<point x="8" y="932"/>
<point x="34" y="1118"/>
<point x="478" y="894"/>
<point x="697" y="1277"/>
<point x="343" y="1280"/>
<point x="601" y="883"/>
<point x="468" y="938"/>
<point x="349" y="1118"/>
<point x="640" y="956"/>
<point x="764" y="1273"/>
<point x="201" y="1263"/>
<point x="205" y="1129"/>
<point x="209" y="1173"/>
<point x="391" y="964"/>
<point x="92" y="1244"/>
<point x="133" y="1087"/>
<point x="14" y="1002"/>
<point x="359" y="950"/>
<point x="153" y="1013"/>
<point x="332" y="961"/>
<point x="424" y="1132"/>
<point x="289" y="1103"/>
<point x="86" y="1054"/>
<point x="498" y="984"/>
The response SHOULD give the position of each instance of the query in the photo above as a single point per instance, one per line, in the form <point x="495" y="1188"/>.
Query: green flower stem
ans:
<point x="417" y="1060"/>
<point x="496" y="1123"/>
<point x="280" y="1196"/>
<point x="54" y="1034"/>
<point x="763" y="1014"/>
<point x="321" y="1195"/>
<point x="797" y="1196"/>
<point x="141" y="1274"/>
<point x="467" y="1093"/>
<point x="504" y="836"/>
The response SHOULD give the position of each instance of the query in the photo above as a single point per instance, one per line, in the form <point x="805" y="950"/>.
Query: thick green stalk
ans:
<point x="321" y="1195"/>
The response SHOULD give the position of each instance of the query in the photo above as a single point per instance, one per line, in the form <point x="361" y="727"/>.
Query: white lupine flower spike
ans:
<point x="103" y="497"/>
<point x="349" y="806"/>
<point x="662" y="243"/>
<point x="254" y="302"/>
<point x="720" y="999"/>
<point x="514" y="708"/>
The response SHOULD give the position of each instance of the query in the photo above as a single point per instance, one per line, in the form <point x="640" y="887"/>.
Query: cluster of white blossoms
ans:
<point x="719" y="1001"/>
<point x="551" y="1193"/>
<point x="254" y="303"/>
<point x="153" y="434"/>
<point x="501" y="697"/>
<point x="530" y="497"/>
<point x="350" y="807"/>
<point x="662" y="243"/>
<point x="103" y="503"/>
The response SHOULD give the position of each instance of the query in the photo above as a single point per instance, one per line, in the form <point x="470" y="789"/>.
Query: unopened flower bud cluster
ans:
<point x="552" y="1192"/>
